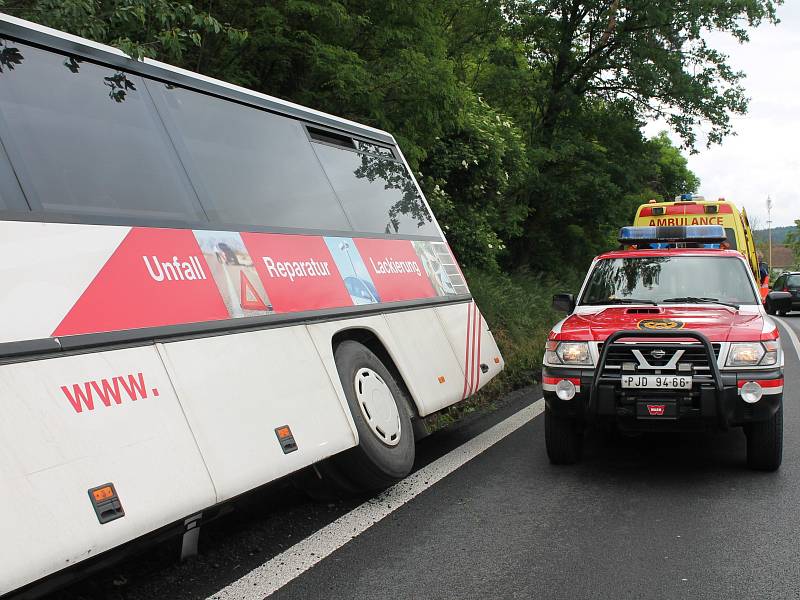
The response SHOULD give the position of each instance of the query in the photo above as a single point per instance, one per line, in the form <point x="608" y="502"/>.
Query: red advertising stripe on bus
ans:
<point x="155" y="277"/>
<point x="477" y="364"/>
<point x="395" y="269"/>
<point x="467" y="345"/>
<point x="297" y="271"/>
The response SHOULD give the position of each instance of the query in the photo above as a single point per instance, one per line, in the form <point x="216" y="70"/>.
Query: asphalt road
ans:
<point x="654" y="517"/>
<point x="660" y="516"/>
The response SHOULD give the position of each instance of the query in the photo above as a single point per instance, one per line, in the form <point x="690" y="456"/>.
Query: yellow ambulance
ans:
<point x="688" y="209"/>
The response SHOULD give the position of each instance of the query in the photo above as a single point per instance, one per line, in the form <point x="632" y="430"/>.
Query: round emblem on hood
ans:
<point x="659" y="324"/>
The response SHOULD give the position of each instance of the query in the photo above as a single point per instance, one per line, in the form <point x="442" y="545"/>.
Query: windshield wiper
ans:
<point x="696" y="300"/>
<point x="621" y="301"/>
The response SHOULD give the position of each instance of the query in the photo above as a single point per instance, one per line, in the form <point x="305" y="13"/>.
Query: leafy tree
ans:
<point x="473" y="175"/>
<point x="652" y="52"/>
<point x="672" y="174"/>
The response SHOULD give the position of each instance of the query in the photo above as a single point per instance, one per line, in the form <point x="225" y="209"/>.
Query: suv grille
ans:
<point x="692" y="353"/>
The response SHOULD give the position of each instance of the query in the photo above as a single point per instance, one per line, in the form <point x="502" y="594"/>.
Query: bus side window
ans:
<point x="85" y="140"/>
<point x="376" y="192"/>
<point x="250" y="166"/>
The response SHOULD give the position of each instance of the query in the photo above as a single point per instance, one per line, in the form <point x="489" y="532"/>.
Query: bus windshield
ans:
<point x="659" y="279"/>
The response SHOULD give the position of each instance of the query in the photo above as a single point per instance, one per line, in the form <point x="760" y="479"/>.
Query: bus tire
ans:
<point x="563" y="438"/>
<point x="380" y="410"/>
<point x="765" y="442"/>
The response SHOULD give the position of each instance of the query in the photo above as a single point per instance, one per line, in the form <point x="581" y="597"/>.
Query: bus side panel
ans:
<point x="237" y="389"/>
<point x="489" y="355"/>
<point x="473" y="343"/>
<point x="423" y="351"/>
<point x="78" y="422"/>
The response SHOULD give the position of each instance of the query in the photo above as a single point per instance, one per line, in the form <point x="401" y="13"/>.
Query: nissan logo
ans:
<point x="658" y="354"/>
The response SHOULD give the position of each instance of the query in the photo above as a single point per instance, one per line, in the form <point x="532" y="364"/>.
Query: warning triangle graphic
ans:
<point x="250" y="300"/>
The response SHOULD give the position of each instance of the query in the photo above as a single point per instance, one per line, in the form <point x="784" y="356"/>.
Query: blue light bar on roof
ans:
<point x="694" y="234"/>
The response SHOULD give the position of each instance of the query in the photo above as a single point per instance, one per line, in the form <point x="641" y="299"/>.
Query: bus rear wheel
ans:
<point x="380" y="409"/>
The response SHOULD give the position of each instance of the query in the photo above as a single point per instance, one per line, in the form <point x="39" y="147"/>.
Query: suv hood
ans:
<point x="717" y="323"/>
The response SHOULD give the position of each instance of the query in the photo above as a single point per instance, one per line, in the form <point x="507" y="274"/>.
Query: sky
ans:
<point x="764" y="157"/>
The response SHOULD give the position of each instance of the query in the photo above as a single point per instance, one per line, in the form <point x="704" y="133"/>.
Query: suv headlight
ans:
<point x="752" y="354"/>
<point x="574" y="353"/>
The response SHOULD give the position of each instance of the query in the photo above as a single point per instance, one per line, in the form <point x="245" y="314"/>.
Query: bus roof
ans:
<point x="27" y="31"/>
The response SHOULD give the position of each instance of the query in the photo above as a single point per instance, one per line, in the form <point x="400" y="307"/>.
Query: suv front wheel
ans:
<point x="563" y="438"/>
<point x="765" y="442"/>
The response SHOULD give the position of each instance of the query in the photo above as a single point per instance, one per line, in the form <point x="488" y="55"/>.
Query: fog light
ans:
<point x="751" y="392"/>
<point x="565" y="389"/>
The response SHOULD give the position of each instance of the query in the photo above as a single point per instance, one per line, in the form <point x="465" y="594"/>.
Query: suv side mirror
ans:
<point x="564" y="303"/>
<point x="780" y="300"/>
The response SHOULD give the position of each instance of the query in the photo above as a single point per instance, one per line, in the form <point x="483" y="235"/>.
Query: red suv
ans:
<point x="667" y="335"/>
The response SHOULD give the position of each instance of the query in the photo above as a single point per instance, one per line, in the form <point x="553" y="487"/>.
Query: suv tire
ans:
<point x="765" y="443"/>
<point x="563" y="438"/>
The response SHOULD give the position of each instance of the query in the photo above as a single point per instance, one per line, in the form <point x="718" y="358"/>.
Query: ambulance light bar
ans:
<point x="696" y="234"/>
<point x="688" y="198"/>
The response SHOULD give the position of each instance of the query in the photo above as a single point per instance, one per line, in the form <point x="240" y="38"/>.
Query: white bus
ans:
<point x="204" y="289"/>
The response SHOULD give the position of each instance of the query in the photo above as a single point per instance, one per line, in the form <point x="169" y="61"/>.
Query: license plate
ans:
<point x="657" y="382"/>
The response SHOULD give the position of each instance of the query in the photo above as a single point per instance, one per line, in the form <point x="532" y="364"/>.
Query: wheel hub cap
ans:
<point x="378" y="406"/>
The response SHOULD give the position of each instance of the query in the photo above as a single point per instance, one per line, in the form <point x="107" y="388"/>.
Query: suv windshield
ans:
<point x="669" y="278"/>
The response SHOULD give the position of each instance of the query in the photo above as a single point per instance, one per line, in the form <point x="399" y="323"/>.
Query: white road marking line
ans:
<point x="293" y="562"/>
<point x="792" y="334"/>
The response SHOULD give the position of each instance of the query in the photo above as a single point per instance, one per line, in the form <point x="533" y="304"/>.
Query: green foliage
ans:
<point x="672" y="176"/>
<point x="778" y="233"/>
<point x="654" y="53"/>
<point x="793" y="241"/>
<point x="162" y="29"/>
<point x="473" y="175"/>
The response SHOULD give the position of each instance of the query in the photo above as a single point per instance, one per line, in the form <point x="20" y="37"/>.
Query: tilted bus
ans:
<point x="204" y="289"/>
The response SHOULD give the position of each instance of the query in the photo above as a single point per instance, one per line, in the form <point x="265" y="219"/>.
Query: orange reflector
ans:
<point x="283" y="432"/>
<point x="441" y="379"/>
<point x="103" y="493"/>
<point x="497" y="360"/>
